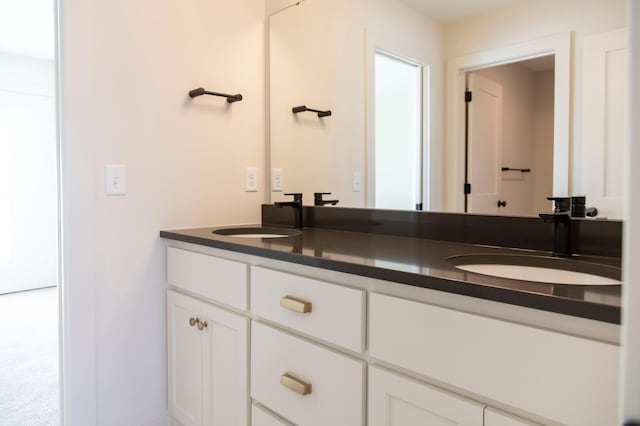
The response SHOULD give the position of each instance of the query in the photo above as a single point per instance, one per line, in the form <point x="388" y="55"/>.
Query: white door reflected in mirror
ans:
<point x="398" y="133"/>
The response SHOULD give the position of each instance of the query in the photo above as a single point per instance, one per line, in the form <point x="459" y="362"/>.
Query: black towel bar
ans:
<point x="200" y="91"/>
<point x="303" y="108"/>
<point x="509" y="169"/>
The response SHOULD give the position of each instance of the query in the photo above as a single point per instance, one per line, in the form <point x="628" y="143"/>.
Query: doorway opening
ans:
<point x="509" y="145"/>
<point x="457" y="68"/>
<point x="398" y="120"/>
<point x="29" y="325"/>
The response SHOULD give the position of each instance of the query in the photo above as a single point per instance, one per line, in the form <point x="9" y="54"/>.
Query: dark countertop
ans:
<point x="419" y="262"/>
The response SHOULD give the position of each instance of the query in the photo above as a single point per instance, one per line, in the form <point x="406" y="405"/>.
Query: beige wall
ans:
<point x="543" y="151"/>
<point x="532" y="19"/>
<point x="273" y="6"/>
<point x="126" y="71"/>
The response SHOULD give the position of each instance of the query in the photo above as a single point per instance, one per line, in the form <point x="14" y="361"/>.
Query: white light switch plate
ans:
<point x="357" y="182"/>
<point x="276" y="180"/>
<point x="114" y="179"/>
<point x="251" y="179"/>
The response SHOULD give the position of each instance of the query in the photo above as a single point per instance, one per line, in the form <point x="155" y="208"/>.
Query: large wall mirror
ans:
<point x="547" y="116"/>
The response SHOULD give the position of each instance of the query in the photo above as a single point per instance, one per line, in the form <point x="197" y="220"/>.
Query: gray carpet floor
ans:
<point x="29" y="358"/>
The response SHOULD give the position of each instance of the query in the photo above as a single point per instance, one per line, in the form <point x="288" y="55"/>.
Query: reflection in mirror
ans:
<point x="398" y="133"/>
<point x="322" y="54"/>
<point x="510" y="119"/>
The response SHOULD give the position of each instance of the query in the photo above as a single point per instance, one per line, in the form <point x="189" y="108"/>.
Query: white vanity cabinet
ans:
<point x="303" y="382"/>
<point x="207" y="346"/>
<point x="493" y="417"/>
<point x="562" y="378"/>
<point x="220" y="280"/>
<point x="395" y="400"/>
<point x="207" y="359"/>
<point x="330" y="312"/>
<point x="289" y="345"/>
<point x="260" y="417"/>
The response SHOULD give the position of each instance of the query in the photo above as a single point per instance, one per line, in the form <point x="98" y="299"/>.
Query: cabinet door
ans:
<point x="398" y="401"/>
<point x="493" y="417"/>
<point x="225" y="366"/>
<point x="184" y="357"/>
<point x="605" y="119"/>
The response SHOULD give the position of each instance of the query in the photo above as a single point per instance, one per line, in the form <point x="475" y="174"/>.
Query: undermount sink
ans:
<point x="552" y="270"/>
<point x="257" y="232"/>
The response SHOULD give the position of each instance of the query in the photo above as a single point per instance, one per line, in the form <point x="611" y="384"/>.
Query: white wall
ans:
<point x="322" y="53"/>
<point x="316" y="59"/>
<point x="28" y="193"/>
<point x="533" y="19"/>
<point x="126" y="70"/>
<point x="631" y="312"/>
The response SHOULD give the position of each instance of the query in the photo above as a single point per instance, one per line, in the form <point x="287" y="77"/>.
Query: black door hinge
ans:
<point x="467" y="96"/>
<point x="467" y="188"/>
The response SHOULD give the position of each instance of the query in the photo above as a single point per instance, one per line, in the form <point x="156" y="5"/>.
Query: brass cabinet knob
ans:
<point x="295" y="384"/>
<point x="196" y="321"/>
<point x="201" y="325"/>
<point x="295" y="305"/>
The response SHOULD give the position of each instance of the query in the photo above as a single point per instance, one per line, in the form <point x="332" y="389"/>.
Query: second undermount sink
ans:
<point x="257" y="232"/>
<point x="552" y="270"/>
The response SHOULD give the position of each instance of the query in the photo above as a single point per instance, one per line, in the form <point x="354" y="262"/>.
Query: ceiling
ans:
<point x="451" y="10"/>
<point x="27" y="28"/>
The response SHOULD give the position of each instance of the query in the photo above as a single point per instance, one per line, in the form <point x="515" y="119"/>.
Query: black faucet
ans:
<point x="318" y="201"/>
<point x="297" y="208"/>
<point x="561" y="219"/>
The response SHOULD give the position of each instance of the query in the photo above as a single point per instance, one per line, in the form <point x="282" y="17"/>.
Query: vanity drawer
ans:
<point x="221" y="280"/>
<point x="336" y="313"/>
<point x="260" y="417"/>
<point x="545" y="373"/>
<point x="336" y="382"/>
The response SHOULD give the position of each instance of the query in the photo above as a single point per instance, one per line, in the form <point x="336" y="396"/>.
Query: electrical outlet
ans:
<point x="114" y="179"/>
<point x="250" y="179"/>
<point x="357" y="182"/>
<point x="276" y="180"/>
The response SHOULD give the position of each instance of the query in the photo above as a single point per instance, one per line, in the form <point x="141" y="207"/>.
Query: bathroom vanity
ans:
<point x="336" y="327"/>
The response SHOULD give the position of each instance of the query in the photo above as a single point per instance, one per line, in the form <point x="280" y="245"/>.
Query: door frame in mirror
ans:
<point x="558" y="45"/>
<point x="431" y="99"/>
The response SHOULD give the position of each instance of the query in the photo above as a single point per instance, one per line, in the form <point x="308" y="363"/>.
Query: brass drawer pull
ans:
<point x="297" y="385"/>
<point x="295" y="305"/>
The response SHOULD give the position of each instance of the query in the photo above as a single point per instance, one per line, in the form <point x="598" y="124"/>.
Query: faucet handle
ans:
<point x="297" y="196"/>
<point x="319" y="201"/>
<point x="560" y="204"/>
